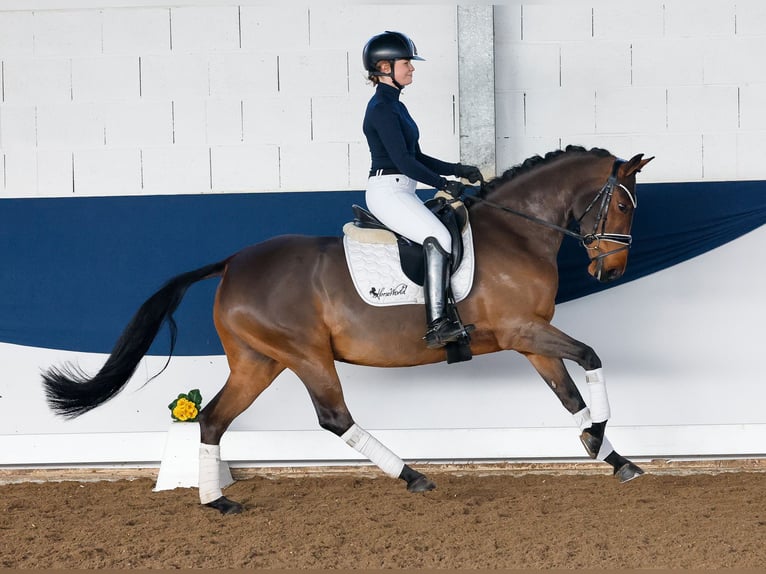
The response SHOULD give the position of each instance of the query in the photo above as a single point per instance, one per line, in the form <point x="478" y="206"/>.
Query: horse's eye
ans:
<point x="623" y="207"/>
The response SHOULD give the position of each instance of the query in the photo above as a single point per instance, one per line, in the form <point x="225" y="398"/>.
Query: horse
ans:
<point x="288" y="302"/>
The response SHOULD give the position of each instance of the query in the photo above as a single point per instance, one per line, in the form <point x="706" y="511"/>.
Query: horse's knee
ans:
<point x="589" y="360"/>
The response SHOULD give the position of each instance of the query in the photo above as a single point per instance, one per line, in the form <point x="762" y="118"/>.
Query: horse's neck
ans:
<point x="548" y="196"/>
<point x="545" y="200"/>
<point x="550" y="193"/>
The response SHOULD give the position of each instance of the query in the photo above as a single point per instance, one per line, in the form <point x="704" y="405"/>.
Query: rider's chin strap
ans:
<point x="392" y="64"/>
<point x="391" y="75"/>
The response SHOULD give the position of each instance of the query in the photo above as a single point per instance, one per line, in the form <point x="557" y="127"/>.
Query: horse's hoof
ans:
<point x="420" y="484"/>
<point x="591" y="443"/>
<point x="628" y="472"/>
<point x="226" y="506"/>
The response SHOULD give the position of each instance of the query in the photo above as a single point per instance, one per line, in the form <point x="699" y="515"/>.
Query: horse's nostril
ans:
<point x="610" y="274"/>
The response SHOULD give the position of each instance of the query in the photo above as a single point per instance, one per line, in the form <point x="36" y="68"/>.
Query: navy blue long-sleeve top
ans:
<point x="393" y="136"/>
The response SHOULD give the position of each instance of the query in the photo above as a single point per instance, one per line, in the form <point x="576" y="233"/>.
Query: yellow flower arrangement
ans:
<point x="186" y="407"/>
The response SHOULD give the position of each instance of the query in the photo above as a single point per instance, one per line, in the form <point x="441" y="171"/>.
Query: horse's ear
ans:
<point x="633" y="165"/>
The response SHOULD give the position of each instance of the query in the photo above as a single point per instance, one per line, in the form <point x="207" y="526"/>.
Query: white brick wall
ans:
<point x="177" y="169"/>
<point x="205" y="29"/>
<point x="242" y="75"/>
<point x="136" y="31"/>
<point x="70" y="125"/>
<point x="595" y="64"/>
<point x="16" y="36"/>
<point x="107" y="171"/>
<point x="337" y="118"/>
<point x="54" y="171"/>
<point x="21" y="171"/>
<point x="174" y="75"/>
<point x="138" y="124"/>
<point x="634" y="20"/>
<point x="275" y="28"/>
<point x="277" y="120"/>
<point x="680" y="80"/>
<point x="544" y="110"/>
<point x="668" y="62"/>
<point x="631" y="109"/>
<point x="18" y="127"/>
<point x="752" y="115"/>
<point x="556" y="21"/>
<point x="245" y="168"/>
<point x="750" y="146"/>
<point x="105" y="79"/>
<point x="67" y="33"/>
<point x="192" y="84"/>
<point x="42" y="80"/>
<point x="206" y="97"/>
<point x="684" y="103"/>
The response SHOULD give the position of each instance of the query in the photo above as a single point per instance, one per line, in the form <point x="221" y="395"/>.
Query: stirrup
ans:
<point x="443" y="331"/>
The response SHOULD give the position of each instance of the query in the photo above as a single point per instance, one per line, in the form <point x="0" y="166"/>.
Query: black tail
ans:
<point x="71" y="392"/>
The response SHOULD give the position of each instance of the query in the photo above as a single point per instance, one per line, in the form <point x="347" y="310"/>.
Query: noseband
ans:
<point x="598" y="234"/>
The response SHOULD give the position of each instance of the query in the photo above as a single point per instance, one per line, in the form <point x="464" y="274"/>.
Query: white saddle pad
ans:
<point x="373" y="260"/>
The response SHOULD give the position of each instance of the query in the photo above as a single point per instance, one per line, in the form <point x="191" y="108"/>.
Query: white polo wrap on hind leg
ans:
<point x="599" y="402"/>
<point x="363" y="442"/>
<point x="209" y="475"/>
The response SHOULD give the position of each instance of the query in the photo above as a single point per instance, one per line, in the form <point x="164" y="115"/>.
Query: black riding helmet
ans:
<point x="388" y="46"/>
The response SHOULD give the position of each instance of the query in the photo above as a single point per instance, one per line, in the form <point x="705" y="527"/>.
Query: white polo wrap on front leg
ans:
<point x="363" y="442"/>
<point x="209" y="473"/>
<point x="599" y="402"/>
<point x="605" y="450"/>
<point x="582" y="419"/>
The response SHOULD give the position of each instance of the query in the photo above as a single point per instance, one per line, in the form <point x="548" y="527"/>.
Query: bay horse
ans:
<point x="289" y="303"/>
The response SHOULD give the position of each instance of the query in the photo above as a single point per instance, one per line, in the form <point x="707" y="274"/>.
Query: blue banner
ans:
<point x="75" y="270"/>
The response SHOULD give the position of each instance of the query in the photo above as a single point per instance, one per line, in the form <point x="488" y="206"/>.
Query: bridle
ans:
<point x="590" y="241"/>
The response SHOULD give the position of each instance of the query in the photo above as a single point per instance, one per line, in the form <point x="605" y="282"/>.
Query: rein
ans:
<point x="586" y="240"/>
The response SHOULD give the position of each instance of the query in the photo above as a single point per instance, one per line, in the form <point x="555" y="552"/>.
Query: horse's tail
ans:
<point x="70" y="392"/>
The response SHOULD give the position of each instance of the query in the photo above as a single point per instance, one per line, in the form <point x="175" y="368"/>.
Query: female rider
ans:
<point x="398" y="165"/>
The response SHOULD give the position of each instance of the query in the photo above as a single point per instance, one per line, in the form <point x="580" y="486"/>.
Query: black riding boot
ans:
<point x="441" y="330"/>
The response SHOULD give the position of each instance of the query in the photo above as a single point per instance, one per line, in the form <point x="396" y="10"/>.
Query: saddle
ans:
<point x="411" y="253"/>
<point x="390" y="253"/>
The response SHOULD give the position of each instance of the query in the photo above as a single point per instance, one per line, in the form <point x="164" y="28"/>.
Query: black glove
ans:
<point x="469" y="172"/>
<point x="454" y="188"/>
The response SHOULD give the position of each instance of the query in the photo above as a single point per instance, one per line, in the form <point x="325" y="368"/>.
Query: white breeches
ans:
<point x="392" y="199"/>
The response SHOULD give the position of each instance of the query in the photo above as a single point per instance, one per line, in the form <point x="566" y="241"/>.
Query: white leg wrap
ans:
<point x="362" y="441"/>
<point x="209" y="473"/>
<point x="582" y="419"/>
<point x="605" y="450"/>
<point x="599" y="402"/>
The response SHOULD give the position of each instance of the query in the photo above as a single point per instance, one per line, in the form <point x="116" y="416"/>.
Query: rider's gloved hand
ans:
<point x="454" y="188"/>
<point x="469" y="172"/>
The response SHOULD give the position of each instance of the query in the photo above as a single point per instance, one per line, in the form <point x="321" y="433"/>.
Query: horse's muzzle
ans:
<point x="610" y="265"/>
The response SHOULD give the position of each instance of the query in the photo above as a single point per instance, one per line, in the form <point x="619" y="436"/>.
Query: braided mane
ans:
<point x="533" y="162"/>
